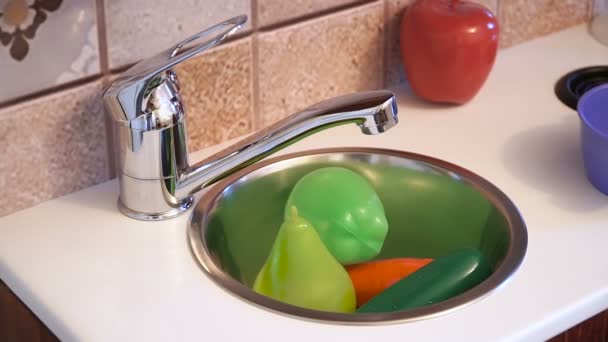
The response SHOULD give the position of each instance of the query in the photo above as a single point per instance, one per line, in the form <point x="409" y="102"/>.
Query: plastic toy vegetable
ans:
<point x="344" y="209"/>
<point x="371" y="278"/>
<point x="448" y="48"/>
<point x="301" y="271"/>
<point x="443" y="278"/>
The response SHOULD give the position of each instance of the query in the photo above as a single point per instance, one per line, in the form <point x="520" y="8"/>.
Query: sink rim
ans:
<point x="510" y="264"/>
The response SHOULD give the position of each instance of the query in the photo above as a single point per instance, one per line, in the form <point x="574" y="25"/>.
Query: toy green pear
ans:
<point x="301" y="271"/>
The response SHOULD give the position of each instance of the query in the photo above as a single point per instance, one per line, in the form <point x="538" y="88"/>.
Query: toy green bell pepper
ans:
<point x="344" y="209"/>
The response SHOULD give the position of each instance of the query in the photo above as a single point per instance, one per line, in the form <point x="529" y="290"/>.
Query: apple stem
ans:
<point x="448" y="4"/>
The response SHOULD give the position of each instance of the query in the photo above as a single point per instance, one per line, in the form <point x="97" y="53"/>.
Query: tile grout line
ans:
<point x="102" y="38"/>
<point x="255" y="32"/>
<point x="497" y="15"/>
<point x="386" y="24"/>
<point x="109" y="71"/>
<point x="104" y="57"/>
<point x="50" y="91"/>
<point x="255" y="79"/>
<point x="106" y="71"/>
<point x="316" y="15"/>
<point x="81" y="81"/>
<point x="502" y="25"/>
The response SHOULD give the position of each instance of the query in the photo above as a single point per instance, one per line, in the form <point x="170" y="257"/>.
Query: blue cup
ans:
<point x="593" y="111"/>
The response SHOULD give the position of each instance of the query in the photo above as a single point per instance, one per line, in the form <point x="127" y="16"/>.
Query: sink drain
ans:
<point x="574" y="84"/>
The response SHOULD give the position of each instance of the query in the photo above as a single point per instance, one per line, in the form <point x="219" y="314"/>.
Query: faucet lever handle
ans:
<point x="126" y="94"/>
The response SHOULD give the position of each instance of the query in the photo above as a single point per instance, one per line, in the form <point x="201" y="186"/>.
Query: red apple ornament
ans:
<point x="448" y="48"/>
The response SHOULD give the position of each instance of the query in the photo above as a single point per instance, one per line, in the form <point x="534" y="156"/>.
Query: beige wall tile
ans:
<point x="492" y="5"/>
<point x="305" y="63"/>
<point x="51" y="147"/>
<point x="394" y="72"/>
<point x="523" y="20"/>
<point x="276" y="11"/>
<point x="216" y="88"/>
<point x="141" y="28"/>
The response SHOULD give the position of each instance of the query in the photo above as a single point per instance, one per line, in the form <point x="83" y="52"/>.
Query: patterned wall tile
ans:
<point x="276" y="11"/>
<point x="302" y="64"/>
<point x="216" y="88"/>
<point x="141" y="28"/>
<point x="44" y="43"/>
<point x="51" y="147"/>
<point x="599" y="7"/>
<point x="523" y="20"/>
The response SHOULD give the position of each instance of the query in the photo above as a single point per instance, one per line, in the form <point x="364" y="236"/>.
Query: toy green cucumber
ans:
<point x="443" y="278"/>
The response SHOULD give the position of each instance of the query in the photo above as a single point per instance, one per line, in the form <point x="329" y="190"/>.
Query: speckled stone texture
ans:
<point x="141" y="28"/>
<point x="277" y="11"/>
<point x="51" y="147"/>
<point x="217" y="91"/>
<point x="522" y="20"/>
<point x="492" y="5"/>
<point x="394" y="72"/>
<point x="334" y="55"/>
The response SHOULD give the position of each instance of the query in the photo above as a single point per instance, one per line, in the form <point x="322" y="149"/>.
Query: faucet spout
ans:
<point x="373" y="111"/>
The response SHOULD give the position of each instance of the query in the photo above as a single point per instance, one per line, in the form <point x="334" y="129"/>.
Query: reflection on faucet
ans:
<point x="156" y="179"/>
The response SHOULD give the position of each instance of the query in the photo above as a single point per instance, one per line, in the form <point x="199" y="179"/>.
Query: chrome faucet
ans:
<point x="156" y="180"/>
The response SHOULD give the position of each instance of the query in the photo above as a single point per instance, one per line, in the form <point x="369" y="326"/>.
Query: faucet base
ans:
<point x="184" y="205"/>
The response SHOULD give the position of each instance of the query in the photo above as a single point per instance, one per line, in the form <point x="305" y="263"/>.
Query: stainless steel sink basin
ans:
<point x="432" y="207"/>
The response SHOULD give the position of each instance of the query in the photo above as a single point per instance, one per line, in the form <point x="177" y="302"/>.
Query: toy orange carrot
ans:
<point x="371" y="278"/>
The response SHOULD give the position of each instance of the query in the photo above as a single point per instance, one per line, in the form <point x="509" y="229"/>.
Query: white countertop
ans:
<point x="91" y="274"/>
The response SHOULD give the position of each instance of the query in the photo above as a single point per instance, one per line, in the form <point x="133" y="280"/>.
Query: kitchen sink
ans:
<point x="433" y="208"/>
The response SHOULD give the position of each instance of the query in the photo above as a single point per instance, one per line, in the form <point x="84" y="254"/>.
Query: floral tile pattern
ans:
<point x="19" y="22"/>
<point x="29" y="34"/>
